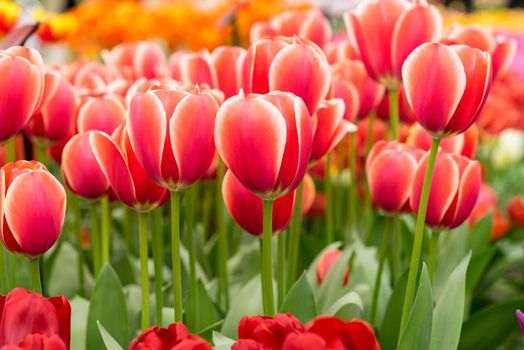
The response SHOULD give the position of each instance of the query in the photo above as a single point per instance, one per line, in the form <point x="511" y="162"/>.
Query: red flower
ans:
<point x="516" y="210"/>
<point x="24" y="313"/>
<point x="340" y="335"/>
<point x="38" y="342"/>
<point x="269" y="331"/>
<point x="175" y="337"/>
<point x="325" y="263"/>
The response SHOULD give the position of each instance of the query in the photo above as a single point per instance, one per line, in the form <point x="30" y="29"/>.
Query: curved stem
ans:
<point x="158" y="260"/>
<point x="95" y="238"/>
<point x="393" y="113"/>
<point x="266" y="260"/>
<point x="35" y="275"/>
<point x="175" y="252"/>
<point x="106" y="227"/>
<point x="352" y="155"/>
<point x="330" y="235"/>
<point x="294" y="239"/>
<point x="432" y="258"/>
<point x="222" y="239"/>
<point x="144" y="273"/>
<point x="419" y="235"/>
<point x="281" y="268"/>
<point x="378" y="277"/>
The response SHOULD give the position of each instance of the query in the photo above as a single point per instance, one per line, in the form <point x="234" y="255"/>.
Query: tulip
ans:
<point x="22" y="89"/>
<point x="501" y="48"/>
<point x="516" y="210"/>
<point x="304" y="341"/>
<point x="404" y="109"/>
<point x="227" y="61"/>
<point x="89" y="78"/>
<point x="520" y="319"/>
<point x="487" y="203"/>
<point x="143" y="85"/>
<point x="38" y="342"/>
<point x="104" y="113"/>
<point x="194" y="68"/>
<point x="269" y="331"/>
<point x="326" y="261"/>
<point x="358" y="335"/>
<point x="176" y="336"/>
<point x="29" y="318"/>
<point x="340" y="51"/>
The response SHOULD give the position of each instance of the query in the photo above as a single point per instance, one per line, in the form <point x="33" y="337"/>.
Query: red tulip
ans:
<point x="354" y="335"/>
<point x="246" y="208"/>
<point x="269" y="331"/>
<point x="32" y="208"/>
<point x="194" y="68"/>
<point x="21" y="89"/>
<point x="265" y="140"/>
<point x="80" y="169"/>
<point x="330" y="127"/>
<point x="326" y="261"/>
<point x="453" y="192"/>
<point x="502" y="49"/>
<point x="387" y="31"/>
<point x="404" y="109"/>
<point x="126" y="176"/>
<point x="104" y="113"/>
<point x="175" y="337"/>
<point x="24" y="313"/>
<point x="158" y="126"/>
<point x="420" y="138"/>
<point x="304" y="341"/>
<point x="390" y="169"/>
<point x="38" y="342"/>
<point x="516" y="210"/>
<point x="227" y="61"/>
<point x="275" y="64"/>
<point x="485" y="204"/>
<point x="446" y="87"/>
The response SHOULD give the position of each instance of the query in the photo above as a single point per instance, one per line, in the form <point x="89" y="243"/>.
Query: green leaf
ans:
<point x="417" y="334"/>
<point x="449" y="310"/>
<point x="222" y="342"/>
<point x="477" y="266"/>
<point x="109" y="341"/>
<point x="391" y="322"/>
<point x="247" y="302"/>
<point x="79" y="310"/>
<point x="300" y="300"/>
<point x="480" y="234"/>
<point x="207" y="312"/>
<point x="108" y="306"/>
<point x="348" y="307"/>
<point x="490" y="327"/>
<point x="332" y="285"/>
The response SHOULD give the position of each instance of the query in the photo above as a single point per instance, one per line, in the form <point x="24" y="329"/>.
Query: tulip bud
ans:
<point x="32" y="208"/>
<point x="516" y="210"/>
<point x="175" y="336"/>
<point x="326" y="261"/>
<point x="269" y="331"/>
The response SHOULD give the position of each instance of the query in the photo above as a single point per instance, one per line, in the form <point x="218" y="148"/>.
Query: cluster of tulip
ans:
<point x="253" y="127"/>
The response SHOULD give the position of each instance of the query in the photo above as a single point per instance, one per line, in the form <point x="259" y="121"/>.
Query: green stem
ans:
<point x="128" y="229"/>
<point x="11" y="149"/>
<point x="419" y="236"/>
<point x="95" y="238"/>
<point x="367" y="194"/>
<point x="396" y="250"/>
<point x="266" y="260"/>
<point x="206" y="207"/>
<point x="175" y="253"/>
<point x="77" y="233"/>
<point x="281" y="268"/>
<point x="144" y="273"/>
<point x="352" y="154"/>
<point x="378" y="277"/>
<point x="393" y="113"/>
<point x="222" y="239"/>
<point x="191" y="244"/>
<point x="35" y="275"/>
<point x="3" y="271"/>
<point x="433" y="251"/>
<point x="158" y="260"/>
<point x="41" y="154"/>
<point x="369" y="136"/>
<point x="106" y="227"/>
<point x="294" y="239"/>
<point x="330" y="235"/>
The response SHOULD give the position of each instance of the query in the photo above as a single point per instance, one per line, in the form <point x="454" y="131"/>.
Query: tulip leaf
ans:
<point x="332" y="285"/>
<point x="204" y="308"/>
<point x="222" y="342"/>
<point x="480" y="234"/>
<point x="478" y="264"/>
<point x="391" y="322"/>
<point x="490" y="327"/>
<point x="109" y="341"/>
<point x="300" y="300"/>
<point x="348" y="307"/>
<point x="449" y="310"/>
<point x="417" y="334"/>
<point x="247" y="302"/>
<point x="79" y="310"/>
<point x="108" y="305"/>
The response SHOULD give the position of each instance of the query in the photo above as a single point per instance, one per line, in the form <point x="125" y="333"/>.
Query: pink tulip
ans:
<point x="390" y="169"/>
<point x="347" y="92"/>
<point x="246" y="208"/>
<point x="21" y="89"/>
<point x="340" y="51"/>
<point x="89" y="78"/>
<point x="103" y="113"/>
<point x="501" y="48"/>
<point x="32" y="208"/>
<point x="265" y="140"/>
<point x="143" y="85"/>
<point x="330" y="127"/>
<point x="325" y="263"/>
<point x="387" y="31"/>
<point x="171" y="132"/>
<point x="446" y="86"/>
<point x="80" y="169"/>
<point x="126" y="176"/>
<point x="227" y="61"/>
<point x="453" y="192"/>
<point x="308" y="195"/>
<point x="404" y="109"/>
<point x="194" y="68"/>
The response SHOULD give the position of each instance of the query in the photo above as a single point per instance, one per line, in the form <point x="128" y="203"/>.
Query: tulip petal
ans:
<point x="227" y="61"/>
<point x="360" y="336"/>
<point x="101" y="113"/>
<point x="503" y="56"/>
<point x="468" y="191"/>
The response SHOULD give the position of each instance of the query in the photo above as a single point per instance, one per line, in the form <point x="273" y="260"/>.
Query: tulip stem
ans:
<point x="266" y="260"/>
<point x="367" y="195"/>
<point x="95" y="238"/>
<point x="352" y="155"/>
<point x="294" y="239"/>
<point x="433" y="251"/>
<point x="175" y="255"/>
<point x="281" y="268"/>
<point x="222" y="239"/>
<point x="330" y="235"/>
<point x="128" y="230"/>
<point x="378" y="277"/>
<point x="77" y="233"/>
<point x="419" y="236"/>
<point x="191" y="247"/>
<point x="11" y="149"/>
<point x="396" y="250"/>
<point x="144" y="273"/>
<point x="393" y="113"/>
<point x="106" y="227"/>
<point x="3" y="271"/>
<point x="158" y="259"/>
<point x="35" y="275"/>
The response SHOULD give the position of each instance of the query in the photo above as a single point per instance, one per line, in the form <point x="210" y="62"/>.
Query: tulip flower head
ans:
<point x="515" y="208"/>
<point x="103" y="113"/>
<point x="265" y="140"/>
<point x="487" y="202"/>
<point x="446" y="86"/>
<point x="32" y="208"/>
<point x="326" y="261"/>
<point x="176" y="336"/>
